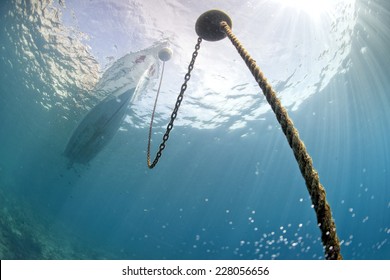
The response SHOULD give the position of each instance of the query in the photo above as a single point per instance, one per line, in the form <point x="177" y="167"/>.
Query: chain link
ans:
<point x="175" y="110"/>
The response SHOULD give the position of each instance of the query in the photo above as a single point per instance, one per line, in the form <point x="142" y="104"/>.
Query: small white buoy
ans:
<point x="165" y="54"/>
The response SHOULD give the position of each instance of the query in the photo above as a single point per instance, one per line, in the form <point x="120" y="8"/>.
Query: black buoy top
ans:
<point x="208" y="25"/>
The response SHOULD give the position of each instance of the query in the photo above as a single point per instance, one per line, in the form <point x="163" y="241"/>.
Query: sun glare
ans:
<point x="313" y="8"/>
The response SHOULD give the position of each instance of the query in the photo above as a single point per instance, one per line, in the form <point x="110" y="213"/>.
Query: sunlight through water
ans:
<point x="300" y="47"/>
<point x="313" y="8"/>
<point x="228" y="185"/>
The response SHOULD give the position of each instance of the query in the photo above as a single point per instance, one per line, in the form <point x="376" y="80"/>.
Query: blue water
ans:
<point x="216" y="193"/>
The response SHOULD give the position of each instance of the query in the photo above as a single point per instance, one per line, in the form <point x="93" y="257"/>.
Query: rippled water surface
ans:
<point x="227" y="185"/>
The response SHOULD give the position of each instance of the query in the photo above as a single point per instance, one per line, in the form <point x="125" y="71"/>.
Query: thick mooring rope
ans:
<point x="316" y="190"/>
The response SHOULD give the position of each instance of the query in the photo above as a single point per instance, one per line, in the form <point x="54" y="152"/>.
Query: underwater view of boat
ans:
<point x="124" y="81"/>
<point x="97" y="128"/>
<point x="78" y="98"/>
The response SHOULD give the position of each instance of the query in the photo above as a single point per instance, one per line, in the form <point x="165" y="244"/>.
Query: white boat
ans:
<point x="123" y="82"/>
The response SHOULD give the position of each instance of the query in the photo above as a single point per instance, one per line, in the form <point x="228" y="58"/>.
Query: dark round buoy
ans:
<point x="208" y="25"/>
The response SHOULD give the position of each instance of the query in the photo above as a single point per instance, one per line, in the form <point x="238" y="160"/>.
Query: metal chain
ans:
<point x="175" y="110"/>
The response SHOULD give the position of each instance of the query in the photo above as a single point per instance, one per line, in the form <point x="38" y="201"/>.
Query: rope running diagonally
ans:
<point x="316" y="190"/>
<point x="175" y="110"/>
